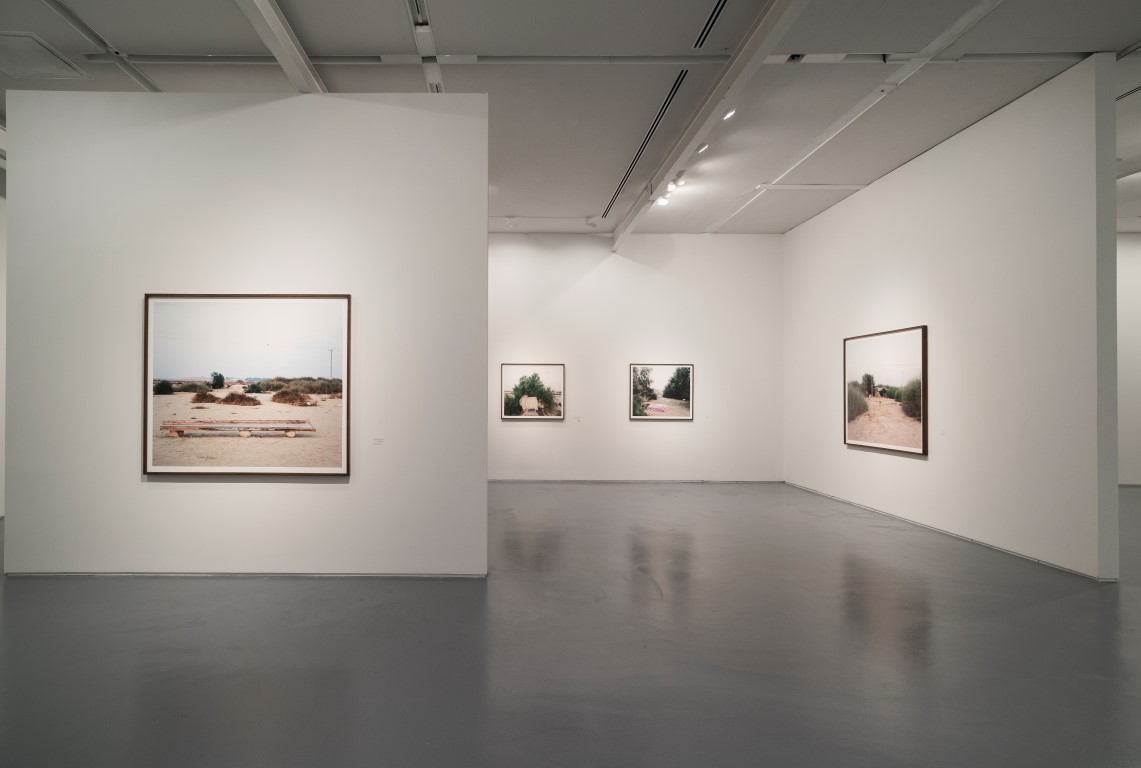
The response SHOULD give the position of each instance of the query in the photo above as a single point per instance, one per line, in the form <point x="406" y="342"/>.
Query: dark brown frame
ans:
<point x="926" y="394"/>
<point x="630" y="391"/>
<point x="562" y="417"/>
<point x="147" y="383"/>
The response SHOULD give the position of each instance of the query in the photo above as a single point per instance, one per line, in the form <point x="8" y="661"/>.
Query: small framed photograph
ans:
<point x="885" y="390"/>
<point x="661" y="392"/>
<point x="531" y="391"/>
<point x="246" y="384"/>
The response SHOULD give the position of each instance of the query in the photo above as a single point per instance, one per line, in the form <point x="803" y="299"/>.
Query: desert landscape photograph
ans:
<point x="661" y="392"/>
<point x="532" y="391"/>
<point x="885" y="398"/>
<point x="247" y="384"/>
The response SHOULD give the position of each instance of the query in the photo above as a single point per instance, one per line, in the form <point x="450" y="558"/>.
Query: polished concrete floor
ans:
<point x="621" y="625"/>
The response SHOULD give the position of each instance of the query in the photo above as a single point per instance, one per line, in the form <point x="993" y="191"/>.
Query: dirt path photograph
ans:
<point x="662" y="392"/>
<point x="885" y="390"/>
<point x="884" y="423"/>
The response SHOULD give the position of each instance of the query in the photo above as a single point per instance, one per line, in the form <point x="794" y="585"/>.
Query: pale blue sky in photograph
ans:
<point x="247" y="338"/>
<point x="893" y="359"/>
<point x="550" y="375"/>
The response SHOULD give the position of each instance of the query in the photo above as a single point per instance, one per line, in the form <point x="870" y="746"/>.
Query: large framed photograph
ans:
<point x="885" y="390"/>
<point x="246" y="384"/>
<point x="531" y="391"/>
<point x="661" y="392"/>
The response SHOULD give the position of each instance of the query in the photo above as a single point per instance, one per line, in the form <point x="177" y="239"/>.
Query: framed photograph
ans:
<point x="531" y="391"/>
<point x="241" y="384"/>
<point x="661" y="392"/>
<point x="885" y="390"/>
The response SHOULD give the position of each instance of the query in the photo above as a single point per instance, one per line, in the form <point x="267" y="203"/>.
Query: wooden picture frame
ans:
<point x="532" y="391"/>
<point x="886" y="391"/>
<point x="236" y="384"/>
<point x="660" y="392"/>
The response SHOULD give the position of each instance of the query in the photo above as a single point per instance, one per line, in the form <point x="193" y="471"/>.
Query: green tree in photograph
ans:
<point x="531" y="386"/>
<point x="868" y="384"/>
<point x="643" y="384"/>
<point x="163" y="387"/>
<point x="217" y="380"/>
<point x="857" y="403"/>
<point x="911" y="399"/>
<point x="678" y="385"/>
<point x="641" y="391"/>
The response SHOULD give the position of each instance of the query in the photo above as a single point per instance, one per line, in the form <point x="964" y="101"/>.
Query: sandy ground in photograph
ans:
<point x="673" y="408"/>
<point x="227" y="449"/>
<point x="531" y="414"/>
<point x="886" y="424"/>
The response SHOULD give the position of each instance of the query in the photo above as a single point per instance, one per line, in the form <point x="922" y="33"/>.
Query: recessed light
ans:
<point x="729" y="114"/>
<point x="702" y="148"/>
<point x="663" y="200"/>
<point x="671" y="186"/>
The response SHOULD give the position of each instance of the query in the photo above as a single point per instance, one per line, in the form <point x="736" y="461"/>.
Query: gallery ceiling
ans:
<point x="595" y="105"/>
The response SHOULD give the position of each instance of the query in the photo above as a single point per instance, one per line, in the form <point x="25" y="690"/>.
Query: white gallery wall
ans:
<point x="3" y="320"/>
<point x="1000" y="240"/>
<point x="1129" y="355"/>
<point x="713" y="301"/>
<point x="112" y="196"/>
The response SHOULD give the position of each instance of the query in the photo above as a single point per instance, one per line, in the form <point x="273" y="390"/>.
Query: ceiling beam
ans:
<point x="1129" y="50"/>
<point x="425" y="45"/>
<point x="749" y="57"/>
<point x="900" y="58"/>
<point x="687" y="60"/>
<point x="1128" y="168"/>
<point x="119" y="59"/>
<point x="274" y="30"/>
<point x="941" y="43"/>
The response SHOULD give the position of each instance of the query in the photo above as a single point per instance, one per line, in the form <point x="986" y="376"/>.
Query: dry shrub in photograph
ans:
<point x="237" y="398"/>
<point x="292" y="397"/>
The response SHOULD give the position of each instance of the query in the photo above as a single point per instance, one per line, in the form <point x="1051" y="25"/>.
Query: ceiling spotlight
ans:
<point x="671" y="186"/>
<point x="702" y="148"/>
<point x="729" y="114"/>
<point x="663" y="200"/>
<point x="679" y="181"/>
